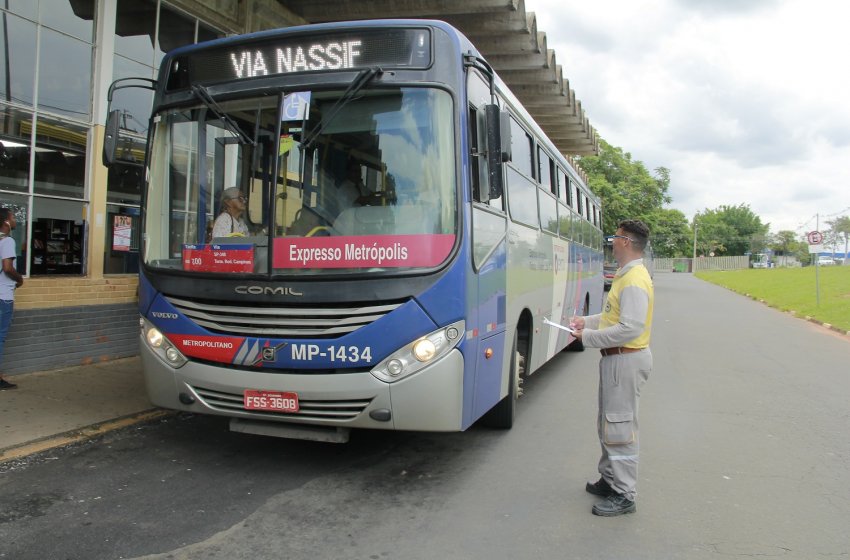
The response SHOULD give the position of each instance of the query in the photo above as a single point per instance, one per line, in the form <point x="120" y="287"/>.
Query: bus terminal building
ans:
<point x="77" y="234"/>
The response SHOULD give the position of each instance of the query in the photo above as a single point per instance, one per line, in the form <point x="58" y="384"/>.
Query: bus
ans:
<point x="415" y="302"/>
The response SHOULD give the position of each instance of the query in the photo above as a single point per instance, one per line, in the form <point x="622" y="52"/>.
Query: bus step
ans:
<point x="291" y="431"/>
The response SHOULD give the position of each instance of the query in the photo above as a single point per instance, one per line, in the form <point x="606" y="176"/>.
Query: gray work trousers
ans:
<point x="620" y="379"/>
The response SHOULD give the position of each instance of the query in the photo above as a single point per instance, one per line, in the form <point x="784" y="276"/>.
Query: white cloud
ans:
<point x="745" y="102"/>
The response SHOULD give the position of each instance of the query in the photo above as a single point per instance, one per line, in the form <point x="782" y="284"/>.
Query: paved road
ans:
<point x="745" y="453"/>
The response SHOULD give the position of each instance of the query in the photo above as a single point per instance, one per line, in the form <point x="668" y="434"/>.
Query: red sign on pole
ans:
<point x="814" y="237"/>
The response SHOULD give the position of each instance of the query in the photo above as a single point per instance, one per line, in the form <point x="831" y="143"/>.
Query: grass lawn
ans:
<point x="794" y="289"/>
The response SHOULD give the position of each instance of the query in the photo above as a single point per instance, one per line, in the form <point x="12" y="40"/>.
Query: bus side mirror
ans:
<point x="113" y="124"/>
<point x="498" y="147"/>
<point x="110" y="141"/>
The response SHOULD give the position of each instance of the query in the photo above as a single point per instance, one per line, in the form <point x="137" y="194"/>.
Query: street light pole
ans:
<point x="817" y="263"/>
<point x="694" y="266"/>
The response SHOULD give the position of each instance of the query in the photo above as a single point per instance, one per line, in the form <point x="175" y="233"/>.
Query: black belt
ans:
<point x="618" y="350"/>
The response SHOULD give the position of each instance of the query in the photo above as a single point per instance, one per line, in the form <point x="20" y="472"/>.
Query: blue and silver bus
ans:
<point x="405" y="228"/>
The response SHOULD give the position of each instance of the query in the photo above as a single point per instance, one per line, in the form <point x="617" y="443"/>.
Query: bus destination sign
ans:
<point x="218" y="258"/>
<point x="395" y="48"/>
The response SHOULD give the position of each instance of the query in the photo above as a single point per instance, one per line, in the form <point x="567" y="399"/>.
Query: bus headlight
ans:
<point x="395" y="367"/>
<point x="172" y="355"/>
<point x="424" y="350"/>
<point x="161" y="346"/>
<point x="419" y="353"/>
<point x="155" y="338"/>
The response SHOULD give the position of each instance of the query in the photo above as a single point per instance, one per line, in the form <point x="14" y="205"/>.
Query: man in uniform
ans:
<point x="621" y="331"/>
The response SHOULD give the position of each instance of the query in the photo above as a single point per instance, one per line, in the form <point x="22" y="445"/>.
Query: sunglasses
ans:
<point x="242" y="198"/>
<point x="610" y="238"/>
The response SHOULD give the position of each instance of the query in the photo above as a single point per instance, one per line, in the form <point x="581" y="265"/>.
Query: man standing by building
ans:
<point x="10" y="279"/>
<point x="622" y="332"/>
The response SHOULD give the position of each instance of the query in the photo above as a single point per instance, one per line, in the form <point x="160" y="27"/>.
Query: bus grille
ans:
<point x="308" y="409"/>
<point x="280" y="322"/>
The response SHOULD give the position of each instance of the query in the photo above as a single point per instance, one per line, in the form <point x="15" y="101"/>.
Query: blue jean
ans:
<point x="6" y="309"/>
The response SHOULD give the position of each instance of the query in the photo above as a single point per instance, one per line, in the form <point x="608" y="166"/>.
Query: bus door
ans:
<point x="489" y="227"/>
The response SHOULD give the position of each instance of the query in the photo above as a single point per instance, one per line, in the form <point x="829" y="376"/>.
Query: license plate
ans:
<point x="271" y="401"/>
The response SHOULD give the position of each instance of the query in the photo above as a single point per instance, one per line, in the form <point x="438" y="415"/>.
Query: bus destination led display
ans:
<point x="395" y="48"/>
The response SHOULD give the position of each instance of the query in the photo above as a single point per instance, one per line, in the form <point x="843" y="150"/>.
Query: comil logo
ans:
<point x="267" y="291"/>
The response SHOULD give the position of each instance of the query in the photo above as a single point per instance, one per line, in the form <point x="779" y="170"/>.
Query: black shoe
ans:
<point x="6" y="385"/>
<point x="600" y="488"/>
<point x="614" y="505"/>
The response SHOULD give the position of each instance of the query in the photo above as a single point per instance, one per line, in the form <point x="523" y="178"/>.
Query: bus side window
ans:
<point x="544" y="171"/>
<point x="563" y="187"/>
<point x="477" y="157"/>
<point x="521" y="148"/>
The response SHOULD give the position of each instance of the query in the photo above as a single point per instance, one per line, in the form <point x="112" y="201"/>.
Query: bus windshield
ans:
<point x="303" y="183"/>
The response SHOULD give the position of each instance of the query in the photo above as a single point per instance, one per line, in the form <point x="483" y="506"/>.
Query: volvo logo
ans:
<point x="267" y="290"/>
<point x="161" y="315"/>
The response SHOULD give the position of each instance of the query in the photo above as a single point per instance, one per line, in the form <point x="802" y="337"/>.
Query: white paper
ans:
<point x="557" y="326"/>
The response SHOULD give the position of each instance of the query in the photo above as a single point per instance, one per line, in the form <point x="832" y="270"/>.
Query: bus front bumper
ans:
<point x="429" y="400"/>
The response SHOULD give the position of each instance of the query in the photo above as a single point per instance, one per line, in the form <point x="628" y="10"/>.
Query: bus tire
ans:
<point x="502" y="415"/>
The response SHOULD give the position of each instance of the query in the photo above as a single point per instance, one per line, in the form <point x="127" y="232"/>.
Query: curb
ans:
<point x="808" y="318"/>
<point x="79" y="434"/>
<point x="821" y="323"/>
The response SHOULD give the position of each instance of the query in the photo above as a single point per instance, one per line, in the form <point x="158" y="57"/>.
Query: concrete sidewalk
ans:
<point x="61" y="406"/>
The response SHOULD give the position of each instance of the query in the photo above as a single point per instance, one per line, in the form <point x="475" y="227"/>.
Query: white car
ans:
<point x="823" y="260"/>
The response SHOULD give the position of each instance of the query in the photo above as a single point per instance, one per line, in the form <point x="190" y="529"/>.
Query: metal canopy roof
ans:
<point x="508" y="38"/>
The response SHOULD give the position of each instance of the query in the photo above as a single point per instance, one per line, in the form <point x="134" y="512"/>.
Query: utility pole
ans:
<point x="694" y="266"/>
<point x="817" y="263"/>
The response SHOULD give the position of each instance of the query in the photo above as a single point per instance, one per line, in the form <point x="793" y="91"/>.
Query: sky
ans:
<point x="745" y="101"/>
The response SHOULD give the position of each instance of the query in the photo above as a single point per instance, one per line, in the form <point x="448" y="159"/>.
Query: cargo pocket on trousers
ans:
<point x="618" y="428"/>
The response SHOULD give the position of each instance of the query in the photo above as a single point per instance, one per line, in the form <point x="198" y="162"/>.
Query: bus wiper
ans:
<point x="202" y="93"/>
<point x="364" y="77"/>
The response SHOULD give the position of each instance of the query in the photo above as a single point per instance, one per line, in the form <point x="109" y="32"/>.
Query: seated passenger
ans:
<point x="230" y="222"/>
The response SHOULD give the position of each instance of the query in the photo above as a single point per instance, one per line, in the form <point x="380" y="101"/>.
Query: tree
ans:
<point x="731" y="230"/>
<point x="627" y="189"/>
<point x="787" y="244"/>
<point x="841" y="227"/>
<point x="711" y="233"/>
<point x="671" y="235"/>
<point x="831" y="240"/>
<point x="784" y="242"/>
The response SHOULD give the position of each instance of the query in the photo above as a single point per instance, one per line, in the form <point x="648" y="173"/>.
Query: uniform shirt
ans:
<point x="627" y="317"/>
<point x="7" y="285"/>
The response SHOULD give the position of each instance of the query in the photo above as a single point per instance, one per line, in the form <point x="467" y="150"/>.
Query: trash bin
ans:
<point x="680" y="267"/>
